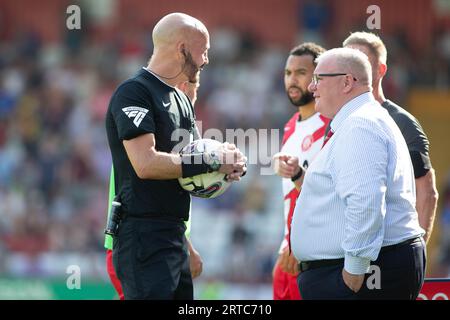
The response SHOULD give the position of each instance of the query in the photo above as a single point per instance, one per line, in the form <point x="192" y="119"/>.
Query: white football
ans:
<point x="206" y="185"/>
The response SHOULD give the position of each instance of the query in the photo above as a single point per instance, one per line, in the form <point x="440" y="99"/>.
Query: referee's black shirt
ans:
<point x="144" y="104"/>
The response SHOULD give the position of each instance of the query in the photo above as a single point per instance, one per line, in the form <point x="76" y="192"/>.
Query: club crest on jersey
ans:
<point x="137" y="113"/>
<point x="307" y="143"/>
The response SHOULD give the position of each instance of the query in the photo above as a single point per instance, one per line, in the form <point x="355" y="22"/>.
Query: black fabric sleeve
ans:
<point x="421" y="163"/>
<point x="413" y="133"/>
<point x="418" y="144"/>
<point x="131" y="111"/>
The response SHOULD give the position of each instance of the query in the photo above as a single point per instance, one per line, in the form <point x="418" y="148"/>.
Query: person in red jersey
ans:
<point x="302" y="140"/>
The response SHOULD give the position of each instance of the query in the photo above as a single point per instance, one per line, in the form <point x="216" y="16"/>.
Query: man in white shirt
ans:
<point x="356" y="212"/>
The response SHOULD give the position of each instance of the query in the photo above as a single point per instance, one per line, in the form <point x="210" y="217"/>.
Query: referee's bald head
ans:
<point x="175" y="27"/>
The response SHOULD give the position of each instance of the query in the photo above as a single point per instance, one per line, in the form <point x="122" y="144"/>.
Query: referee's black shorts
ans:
<point x="151" y="259"/>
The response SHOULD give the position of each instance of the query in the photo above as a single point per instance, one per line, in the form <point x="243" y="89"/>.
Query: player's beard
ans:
<point x="305" y="98"/>
<point x="190" y="68"/>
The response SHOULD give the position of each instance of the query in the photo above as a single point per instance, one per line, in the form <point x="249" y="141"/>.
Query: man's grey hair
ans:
<point x="347" y="60"/>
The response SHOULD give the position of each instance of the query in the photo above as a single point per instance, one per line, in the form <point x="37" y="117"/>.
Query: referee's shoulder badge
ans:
<point x="135" y="112"/>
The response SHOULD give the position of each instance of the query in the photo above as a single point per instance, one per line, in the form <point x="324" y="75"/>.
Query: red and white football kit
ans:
<point x="303" y="139"/>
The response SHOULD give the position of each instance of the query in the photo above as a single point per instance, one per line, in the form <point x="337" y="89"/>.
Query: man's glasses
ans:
<point x="317" y="77"/>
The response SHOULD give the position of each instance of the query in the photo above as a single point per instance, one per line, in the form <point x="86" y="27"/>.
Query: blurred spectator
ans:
<point x="314" y="17"/>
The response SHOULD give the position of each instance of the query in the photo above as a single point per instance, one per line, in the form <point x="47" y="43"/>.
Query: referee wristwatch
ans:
<point x="212" y="160"/>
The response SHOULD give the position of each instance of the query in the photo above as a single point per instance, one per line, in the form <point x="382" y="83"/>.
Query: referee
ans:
<point x="145" y="113"/>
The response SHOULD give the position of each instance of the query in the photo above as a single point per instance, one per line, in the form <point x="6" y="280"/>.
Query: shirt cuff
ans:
<point x="356" y="265"/>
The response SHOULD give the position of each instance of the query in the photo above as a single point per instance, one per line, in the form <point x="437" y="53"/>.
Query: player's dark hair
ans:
<point x="308" y="48"/>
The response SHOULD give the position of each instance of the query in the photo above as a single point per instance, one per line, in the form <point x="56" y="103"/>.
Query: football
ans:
<point x="206" y="185"/>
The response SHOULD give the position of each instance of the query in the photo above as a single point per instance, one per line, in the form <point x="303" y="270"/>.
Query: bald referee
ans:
<point x="195" y="260"/>
<point x="150" y="252"/>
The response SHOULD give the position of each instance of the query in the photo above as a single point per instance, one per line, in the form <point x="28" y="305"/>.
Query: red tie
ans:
<point x="327" y="137"/>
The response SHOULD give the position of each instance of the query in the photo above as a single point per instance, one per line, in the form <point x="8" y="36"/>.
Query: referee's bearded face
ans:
<point x="196" y="58"/>
<point x="190" y="67"/>
<point x="297" y="76"/>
